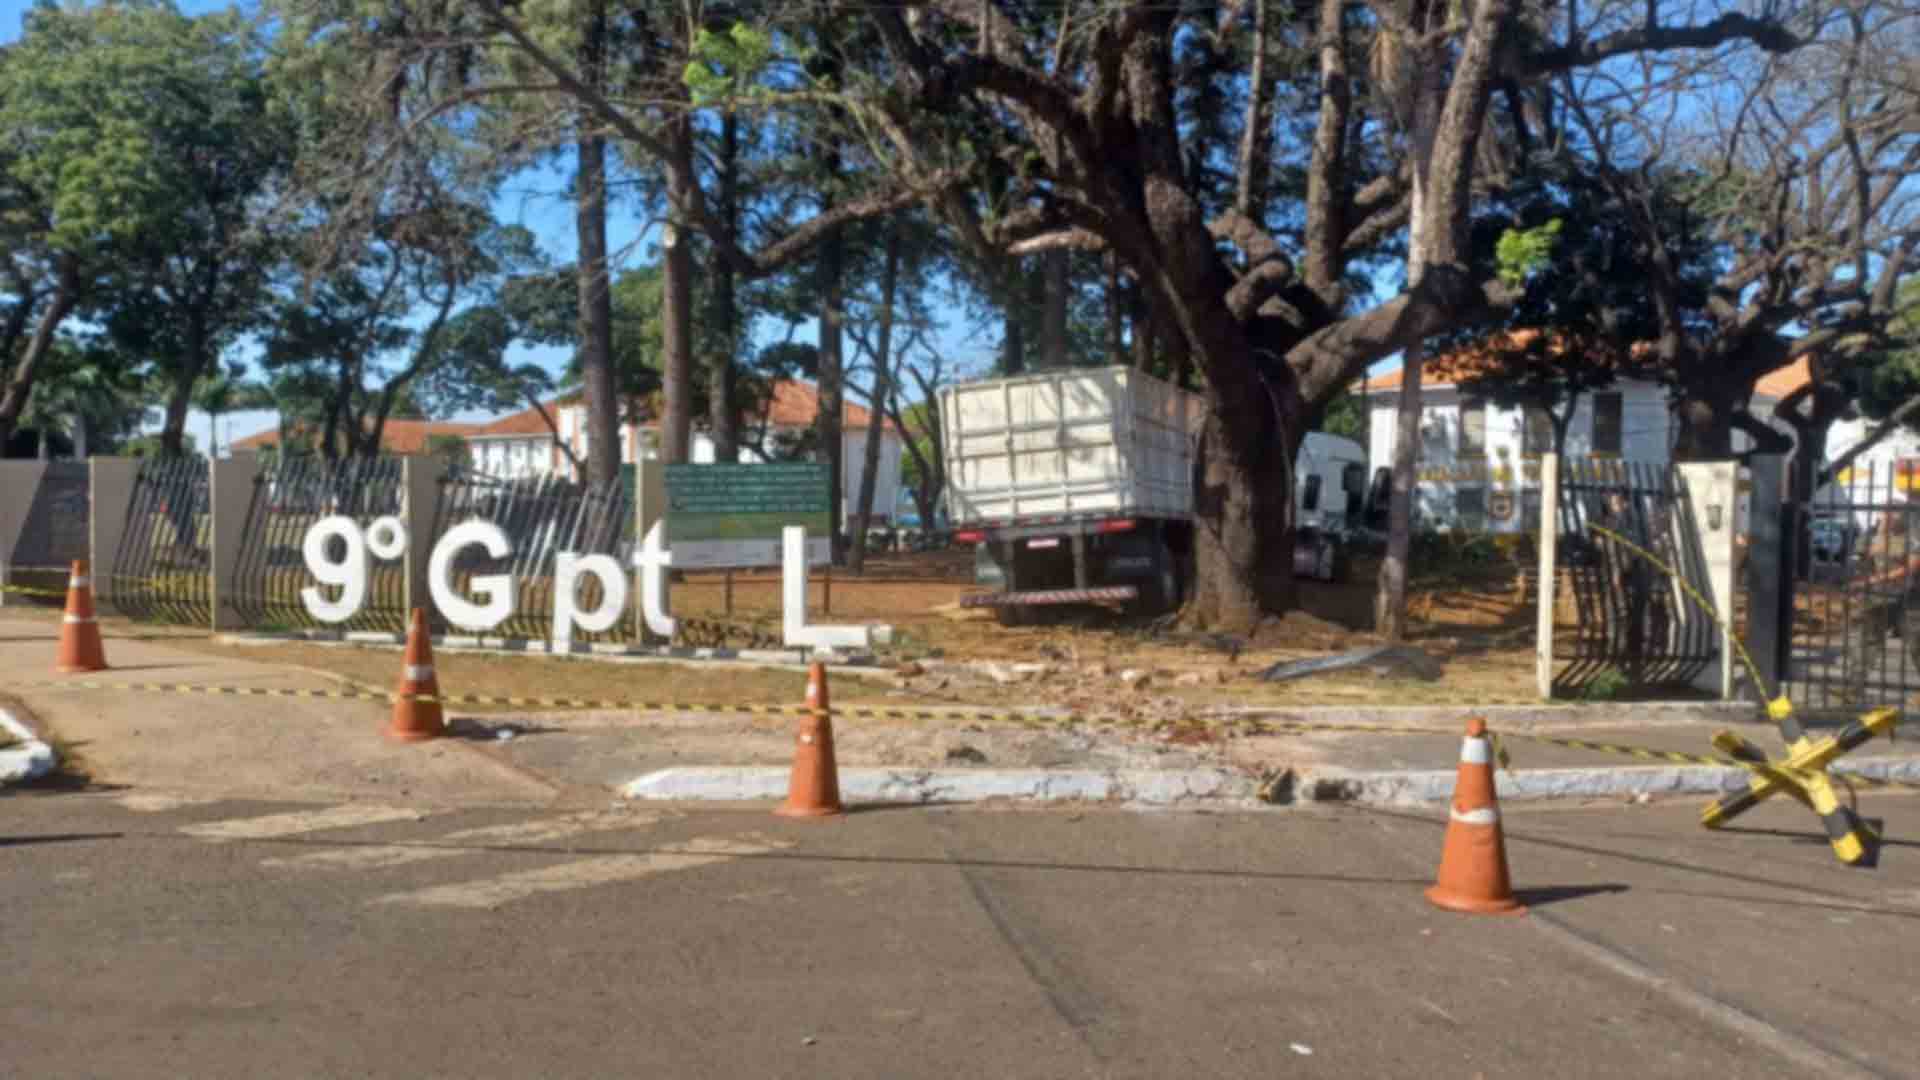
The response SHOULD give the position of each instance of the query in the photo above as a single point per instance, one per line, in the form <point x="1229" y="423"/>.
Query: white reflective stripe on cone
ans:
<point x="1473" y="751"/>
<point x="80" y="581"/>
<point x="80" y="618"/>
<point x="419" y="672"/>
<point x="1486" y="815"/>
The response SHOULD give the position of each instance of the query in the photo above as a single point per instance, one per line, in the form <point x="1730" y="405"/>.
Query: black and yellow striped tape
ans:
<point x="1248" y="725"/>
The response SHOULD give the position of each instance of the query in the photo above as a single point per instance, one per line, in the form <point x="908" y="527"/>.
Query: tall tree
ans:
<point x="1094" y="110"/>
<point x="1794" y="175"/>
<point x="137" y="142"/>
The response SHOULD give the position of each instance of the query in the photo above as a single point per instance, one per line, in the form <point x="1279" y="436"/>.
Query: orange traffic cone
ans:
<point x="1473" y="864"/>
<point x="814" y="789"/>
<point x="414" y="719"/>
<point x="80" y="646"/>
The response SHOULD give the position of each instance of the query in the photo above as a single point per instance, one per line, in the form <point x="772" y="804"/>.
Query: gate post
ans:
<point x="1549" y="576"/>
<point x="420" y="504"/>
<point x="1713" y="495"/>
<point x="1768" y="580"/>
<point x="230" y="490"/>
<point x="110" y="484"/>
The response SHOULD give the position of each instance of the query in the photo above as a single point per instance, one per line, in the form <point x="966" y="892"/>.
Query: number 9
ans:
<point x="349" y="574"/>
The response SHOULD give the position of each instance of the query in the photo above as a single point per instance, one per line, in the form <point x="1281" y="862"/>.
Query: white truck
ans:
<point x="1076" y="486"/>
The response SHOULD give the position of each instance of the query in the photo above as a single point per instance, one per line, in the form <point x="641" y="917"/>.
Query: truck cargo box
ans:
<point x="1068" y="444"/>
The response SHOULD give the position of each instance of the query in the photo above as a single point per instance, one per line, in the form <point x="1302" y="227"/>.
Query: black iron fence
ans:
<point x="542" y="517"/>
<point x="162" y="570"/>
<point x="1636" y="626"/>
<point x="289" y="496"/>
<point x="1850" y="568"/>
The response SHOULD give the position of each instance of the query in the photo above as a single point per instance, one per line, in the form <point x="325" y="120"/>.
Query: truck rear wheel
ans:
<point x="1161" y="591"/>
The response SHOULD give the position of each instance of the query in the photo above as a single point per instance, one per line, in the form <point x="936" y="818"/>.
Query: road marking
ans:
<point x="300" y="821"/>
<point x="156" y="804"/>
<point x="606" y="870"/>
<point x="380" y="856"/>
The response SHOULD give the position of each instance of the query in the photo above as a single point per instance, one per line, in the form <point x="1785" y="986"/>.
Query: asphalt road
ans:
<point x="142" y="936"/>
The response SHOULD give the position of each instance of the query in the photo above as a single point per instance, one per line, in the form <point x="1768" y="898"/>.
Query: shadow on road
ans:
<point x="1553" y="894"/>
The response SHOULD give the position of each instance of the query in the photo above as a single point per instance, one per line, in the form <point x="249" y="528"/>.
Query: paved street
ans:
<point x="144" y="935"/>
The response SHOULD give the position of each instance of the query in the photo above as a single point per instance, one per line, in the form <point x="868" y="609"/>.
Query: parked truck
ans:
<point x="1076" y="487"/>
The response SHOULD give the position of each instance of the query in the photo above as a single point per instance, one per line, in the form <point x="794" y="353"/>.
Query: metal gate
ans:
<point x="288" y="497"/>
<point x="1849" y="569"/>
<point x="542" y="517"/>
<point x="162" y="570"/>
<point x="1633" y="620"/>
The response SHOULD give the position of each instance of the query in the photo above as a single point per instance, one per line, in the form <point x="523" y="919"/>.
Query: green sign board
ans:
<point x="732" y="515"/>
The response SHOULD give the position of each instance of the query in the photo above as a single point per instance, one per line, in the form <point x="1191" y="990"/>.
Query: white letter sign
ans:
<point x="567" y="571"/>
<point x="349" y="574"/>
<point x="497" y="589"/>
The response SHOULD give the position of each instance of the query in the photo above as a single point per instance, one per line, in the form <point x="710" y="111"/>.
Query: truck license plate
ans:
<point x="1048" y="542"/>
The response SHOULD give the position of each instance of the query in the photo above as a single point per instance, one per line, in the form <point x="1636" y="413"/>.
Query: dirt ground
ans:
<point x="1479" y="627"/>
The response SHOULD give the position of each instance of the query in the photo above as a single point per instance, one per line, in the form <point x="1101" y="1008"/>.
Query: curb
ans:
<point x="1403" y="787"/>
<point x="1205" y="789"/>
<point x="1555" y="714"/>
<point x="30" y="761"/>
<point x="1131" y="787"/>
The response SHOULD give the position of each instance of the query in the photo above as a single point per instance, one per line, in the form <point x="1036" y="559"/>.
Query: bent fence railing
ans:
<point x="1633" y="618"/>
<point x="288" y="498"/>
<point x="542" y="517"/>
<point x="162" y="568"/>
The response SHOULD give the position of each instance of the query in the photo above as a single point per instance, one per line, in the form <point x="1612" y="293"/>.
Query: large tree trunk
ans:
<point x="173" y="426"/>
<point x="1243" y="523"/>
<point x="595" y="296"/>
<point x="19" y="386"/>
<point x="882" y="394"/>
<point x="1703" y="425"/>
<point x="827" y="425"/>
<point x="1053" y="321"/>
<point x="722" y="418"/>
<point x="1390" y="604"/>
<point x="676" y="323"/>
<point x="1013" y="345"/>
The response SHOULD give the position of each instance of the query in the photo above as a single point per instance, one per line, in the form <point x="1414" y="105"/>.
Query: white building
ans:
<point x="1480" y="463"/>
<point x="526" y="444"/>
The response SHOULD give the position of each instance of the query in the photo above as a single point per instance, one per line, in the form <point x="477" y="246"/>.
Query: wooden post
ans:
<point x="1549" y="577"/>
<point x="727" y="579"/>
<point x="826" y="601"/>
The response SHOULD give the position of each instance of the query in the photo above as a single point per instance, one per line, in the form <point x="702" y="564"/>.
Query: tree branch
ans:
<point x="1765" y="33"/>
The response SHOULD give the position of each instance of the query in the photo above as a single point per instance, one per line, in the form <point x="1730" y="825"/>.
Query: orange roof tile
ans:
<point x="396" y="436"/>
<point x="1780" y="382"/>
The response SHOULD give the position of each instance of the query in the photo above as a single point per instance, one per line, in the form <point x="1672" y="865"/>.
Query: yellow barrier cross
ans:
<point x="1803" y="775"/>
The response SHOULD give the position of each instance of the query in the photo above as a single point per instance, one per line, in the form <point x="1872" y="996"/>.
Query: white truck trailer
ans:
<point x="1076" y="486"/>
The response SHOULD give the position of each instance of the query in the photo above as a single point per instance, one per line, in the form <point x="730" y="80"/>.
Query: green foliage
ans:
<point x="1346" y="415"/>
<point x="1522" y="253"/>
<point x="1606" y="686"/>
<point x="151" y="446"/>
<point x="725" y="65"/>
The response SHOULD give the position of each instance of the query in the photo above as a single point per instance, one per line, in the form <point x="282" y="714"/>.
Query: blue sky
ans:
<point x="537" y="200"/>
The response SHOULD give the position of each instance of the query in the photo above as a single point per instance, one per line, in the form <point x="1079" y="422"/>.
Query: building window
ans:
<point x="1607" y="415"/>
<point x="1537" y="437"/>
<point x="1470" y="506"/>
<point x="1473" y="427"/>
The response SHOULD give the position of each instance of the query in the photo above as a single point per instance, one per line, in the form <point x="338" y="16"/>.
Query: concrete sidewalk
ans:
<point x="254" y="747"/>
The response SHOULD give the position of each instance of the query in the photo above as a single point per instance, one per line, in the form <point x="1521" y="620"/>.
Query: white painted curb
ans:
<point x="29" y="761"/>
<point x="1139" y="787"/>
<point x="1389" y="787"/>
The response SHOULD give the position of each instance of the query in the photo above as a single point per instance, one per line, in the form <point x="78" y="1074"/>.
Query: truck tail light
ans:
<point x="1119" y="525"/>
<point x="969" y="536"/>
